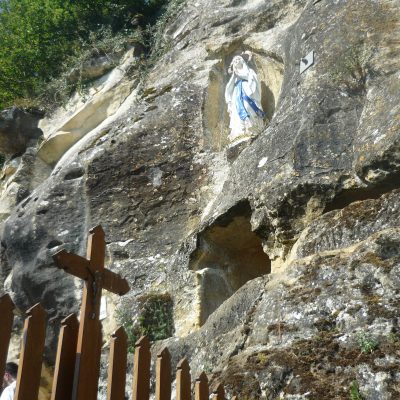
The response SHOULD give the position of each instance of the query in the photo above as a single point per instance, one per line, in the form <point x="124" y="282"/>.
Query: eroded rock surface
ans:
<point x="86" y="111"/>
<point x="314" y="197"/>
<point x="306" y="331"/>
<point x="17" y="128"/>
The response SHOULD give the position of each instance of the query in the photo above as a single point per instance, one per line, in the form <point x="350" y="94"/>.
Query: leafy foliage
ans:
<point x="355" y="391"/>
<point x="37" y="36"/>
<point x="155" y="319"/>
<point x="71" y="78"/>
<point x="366" y="342"/>
<point x="33" y="35"/>
<point x="157" y="41"/>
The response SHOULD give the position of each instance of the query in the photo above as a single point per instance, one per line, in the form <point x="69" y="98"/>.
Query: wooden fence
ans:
<point x="32" y="347"/>
<point x="77" y="366"/>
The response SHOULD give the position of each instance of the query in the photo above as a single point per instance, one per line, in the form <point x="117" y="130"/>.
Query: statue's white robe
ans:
<point x="251" y="86"/>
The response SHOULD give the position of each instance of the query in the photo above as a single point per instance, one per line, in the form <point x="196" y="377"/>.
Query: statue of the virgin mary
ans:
<point x="243" y="97"/>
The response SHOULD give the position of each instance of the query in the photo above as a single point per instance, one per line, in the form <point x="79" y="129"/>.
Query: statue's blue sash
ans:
<point x="241" y="98"/>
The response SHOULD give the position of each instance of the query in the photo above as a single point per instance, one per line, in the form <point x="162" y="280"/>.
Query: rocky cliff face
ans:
<point x="281" y="256"/>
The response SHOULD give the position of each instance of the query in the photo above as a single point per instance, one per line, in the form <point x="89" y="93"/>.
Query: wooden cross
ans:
<point x="96" y="277"/>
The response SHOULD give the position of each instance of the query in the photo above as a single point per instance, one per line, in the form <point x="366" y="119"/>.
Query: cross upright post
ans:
<point x="96" y="277"/>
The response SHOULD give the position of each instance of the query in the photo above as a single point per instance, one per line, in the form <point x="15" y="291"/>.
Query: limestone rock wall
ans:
<point x="282" y="258"/>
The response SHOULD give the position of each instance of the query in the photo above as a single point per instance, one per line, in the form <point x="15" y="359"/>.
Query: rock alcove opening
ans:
<point x="228" y="255"/>
<point x="270" y="72"/>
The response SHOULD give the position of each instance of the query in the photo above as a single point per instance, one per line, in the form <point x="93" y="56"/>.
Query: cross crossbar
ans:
<point x="80" y="267"/>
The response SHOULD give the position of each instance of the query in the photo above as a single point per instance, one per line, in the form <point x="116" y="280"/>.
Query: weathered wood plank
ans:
<point x="114" y="283"/>
<point x="73" y="264"/>
<point x="6" y="323"/>
<point x="96" y="248"/>
<point x="201" y="387"/>
<point x="30" y="365"/>
<point x="183" y="380"/>
<point x="87" y="362"/>
<point x="141" y="370"/>
<point x="65" y="359"/>
<point x="163" y="375"/>
<point x="117" y="365"/>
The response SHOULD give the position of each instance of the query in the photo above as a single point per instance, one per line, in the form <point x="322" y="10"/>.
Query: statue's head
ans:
<point x="238" y="62"/>
<point x="239" y="66"/>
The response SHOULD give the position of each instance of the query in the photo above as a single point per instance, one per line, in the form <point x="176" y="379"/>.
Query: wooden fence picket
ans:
<point x="201" y="387"/>
<point x="30" y="365"/>
<point x="117" y="365"/>
<point x="7" y="318"/>
<point x="183" y="380"/>
<point x="65" y="359"/>
<point x="219" y="393"/>
<point x="28" y="380"/>
<point x="141" y="370"/>
<point x="163" y="375"/>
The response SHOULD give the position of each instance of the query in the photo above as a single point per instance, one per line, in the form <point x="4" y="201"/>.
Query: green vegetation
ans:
<point x="71" y="78"/>
<point x="366" y="342"/>
<point x="355" y="391"/>
<point x="157" y="42"/>
<point x="41" y="41"/>
<point x="155" y="319"/>
<point x="394" y="337"/>
<point x="262" y="358"/>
